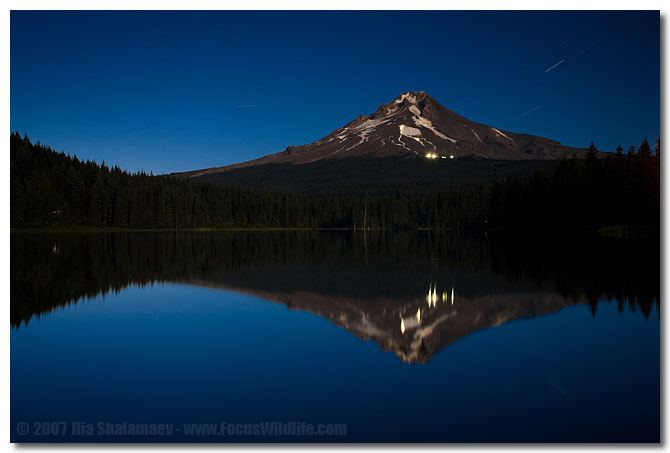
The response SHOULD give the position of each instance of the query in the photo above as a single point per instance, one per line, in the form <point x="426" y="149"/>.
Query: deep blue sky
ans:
<point x="176" y="91"/>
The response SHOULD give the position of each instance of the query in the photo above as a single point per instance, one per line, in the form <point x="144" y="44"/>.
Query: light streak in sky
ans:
<point x="555" y="65"/>
<point x="531" y="110"/>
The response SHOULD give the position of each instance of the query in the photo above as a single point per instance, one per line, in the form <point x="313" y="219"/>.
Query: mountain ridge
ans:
<point x="414" y="124"/>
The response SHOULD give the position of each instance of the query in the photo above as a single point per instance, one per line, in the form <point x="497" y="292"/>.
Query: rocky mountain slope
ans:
<point x="413" y="125"/>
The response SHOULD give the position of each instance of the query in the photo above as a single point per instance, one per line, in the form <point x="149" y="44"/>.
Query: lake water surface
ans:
<point x="382" y="337"/>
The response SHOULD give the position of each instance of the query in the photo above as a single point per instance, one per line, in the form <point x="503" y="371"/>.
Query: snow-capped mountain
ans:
<point x="414" y="124"/>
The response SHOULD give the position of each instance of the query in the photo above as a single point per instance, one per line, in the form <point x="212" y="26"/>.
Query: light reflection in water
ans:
<point x="431" y="298"/>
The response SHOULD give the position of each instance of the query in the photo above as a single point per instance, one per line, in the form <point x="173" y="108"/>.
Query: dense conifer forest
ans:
<point x="52" y="189"/>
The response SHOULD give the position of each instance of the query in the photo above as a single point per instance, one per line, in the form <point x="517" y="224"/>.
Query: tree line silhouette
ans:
<point x="51" y="189"/>
<point x="623" y="189"/>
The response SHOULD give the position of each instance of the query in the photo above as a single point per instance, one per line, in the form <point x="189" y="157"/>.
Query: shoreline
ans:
<point x="83" y="229"/>
<point x="606" y="232"/>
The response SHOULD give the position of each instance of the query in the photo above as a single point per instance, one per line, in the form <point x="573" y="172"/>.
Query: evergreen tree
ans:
<point x="619" y="152"/>
<point x="644" y="151"/>
<point x="591" y="160"/>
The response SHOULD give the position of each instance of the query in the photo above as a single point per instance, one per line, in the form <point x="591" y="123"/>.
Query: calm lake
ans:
<point x="376" y="336"/>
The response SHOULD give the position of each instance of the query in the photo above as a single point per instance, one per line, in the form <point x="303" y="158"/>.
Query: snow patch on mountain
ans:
<point x="415" y="110"/>
<point x="401" y="143"/>
<point x="363" y="130"/>
<point x="342" y="135"/>
<point x="431" y="144"/>
<point x="409" y="131"/>
<point x="500" y="133"/>
<point x="425" y="122"/>
<point x="476" y="135"/>
<point x="410" y="97"/>
<point x="422" y="121"/>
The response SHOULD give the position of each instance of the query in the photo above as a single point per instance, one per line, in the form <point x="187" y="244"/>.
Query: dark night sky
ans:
<point x="185" y="90"/>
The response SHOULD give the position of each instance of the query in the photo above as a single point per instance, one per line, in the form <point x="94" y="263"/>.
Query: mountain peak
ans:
<point x="414" y="100"/>
<point x="412" y="97"/>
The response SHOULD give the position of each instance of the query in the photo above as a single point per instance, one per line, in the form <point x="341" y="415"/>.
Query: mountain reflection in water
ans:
<point x="411" y="293"/>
